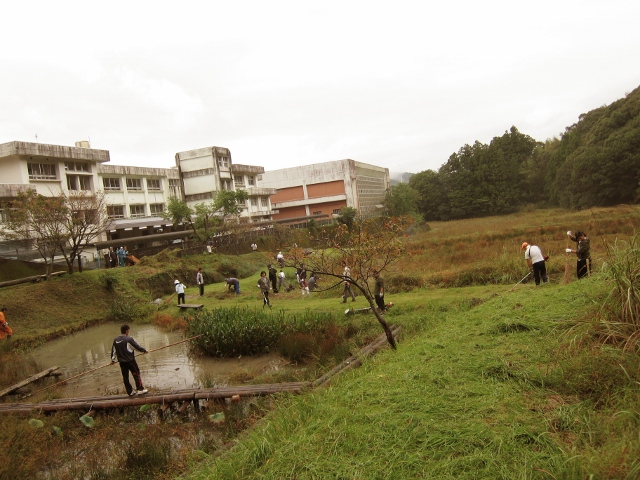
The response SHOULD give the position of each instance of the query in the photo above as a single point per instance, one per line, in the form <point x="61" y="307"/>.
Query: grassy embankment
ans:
<point x="485" y="384"/>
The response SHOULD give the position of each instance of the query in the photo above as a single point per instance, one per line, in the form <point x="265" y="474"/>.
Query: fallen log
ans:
<point x="29" y="380"/>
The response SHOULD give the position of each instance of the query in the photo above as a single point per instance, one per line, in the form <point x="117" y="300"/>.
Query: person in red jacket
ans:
<point x="5" y="329"/>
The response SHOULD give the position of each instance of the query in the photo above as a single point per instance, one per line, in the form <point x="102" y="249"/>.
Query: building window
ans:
<point x="254" y="202"/>
<point x="111" y="183"/>
<point x="41" y="171"/>
<point x="264" y="201"/>
<point x="238" y="180"/>
<point x="115" y="211"/>
<point x="225" y="184"/>
<point x="251" y="181"/>
<point x="134" y="184"/>
<point x="78" y="182"/>
<point x="136" y="211"/>
<point x="157" y="209"/>
<point x="4" y="213"/>
<point x="153" y="185"/>
<point x="76" y="166"/>
<point x="336" y="211"/>
<point x="317" y="213"/>
<point x="174" y="188"/>
<point x="223" y="162"/>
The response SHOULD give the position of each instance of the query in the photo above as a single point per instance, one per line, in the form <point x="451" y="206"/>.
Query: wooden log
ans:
<point x="29" y="380"/>
<point x="183" y="407"/>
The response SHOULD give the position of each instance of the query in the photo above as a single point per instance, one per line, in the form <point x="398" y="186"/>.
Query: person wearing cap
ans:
<point x="536" y="262"/>
<point x="582" y="251"/>
<point x="180" y="291"/>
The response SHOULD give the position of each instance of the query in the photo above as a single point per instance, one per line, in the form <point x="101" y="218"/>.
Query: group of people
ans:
<point x="536" y="259"/>
<point x="116" y="258"/>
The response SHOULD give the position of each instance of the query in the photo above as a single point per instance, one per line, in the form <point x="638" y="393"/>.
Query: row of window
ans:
<point x="135" y="184"/>
<point x="135" y="211"/>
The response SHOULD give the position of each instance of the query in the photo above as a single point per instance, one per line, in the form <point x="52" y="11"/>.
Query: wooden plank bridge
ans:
<point x="166" y="397"/>
<point x="193" y="395"/>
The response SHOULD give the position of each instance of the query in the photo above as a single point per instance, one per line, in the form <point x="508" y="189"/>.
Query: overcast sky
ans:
<point x="398" y="84"/>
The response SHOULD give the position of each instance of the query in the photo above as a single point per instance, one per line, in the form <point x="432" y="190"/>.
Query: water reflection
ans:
<point x="174" y="367"/>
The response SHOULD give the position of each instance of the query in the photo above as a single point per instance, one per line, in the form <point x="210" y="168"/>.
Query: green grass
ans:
<point x="466" y="398"/>
<point x="486" y="382"/>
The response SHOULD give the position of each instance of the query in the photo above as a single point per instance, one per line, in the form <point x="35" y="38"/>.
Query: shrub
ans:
<point x="620" y="314"/>
<point x="245" y="331"/>
<point x="124" y="310"/>
<point x="109" y="280"/>
<point x="296" y="346"/>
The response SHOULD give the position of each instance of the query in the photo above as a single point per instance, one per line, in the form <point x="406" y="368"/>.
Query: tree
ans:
<point x="400" y="200"/>
<point x="38" y="221"/>
<point x="85" y="217"/>
<point x="179" y="212"/>
<point x="225" y="205"/>
<point x="372" y="244"/>
<point x="347" y="216"/>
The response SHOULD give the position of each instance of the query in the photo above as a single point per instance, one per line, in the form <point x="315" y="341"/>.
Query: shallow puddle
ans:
<point x="175" y="367"/>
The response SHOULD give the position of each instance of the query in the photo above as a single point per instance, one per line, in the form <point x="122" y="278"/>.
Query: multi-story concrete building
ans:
<point x="136" y="196"/>
<point x="208" y="170"/>
<point x="323" y="189"/>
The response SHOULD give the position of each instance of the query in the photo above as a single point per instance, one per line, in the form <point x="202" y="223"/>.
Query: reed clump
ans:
<point x="227" y="332"/>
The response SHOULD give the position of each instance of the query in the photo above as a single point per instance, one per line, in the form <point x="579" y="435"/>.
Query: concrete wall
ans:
<point x="343" y="182"/>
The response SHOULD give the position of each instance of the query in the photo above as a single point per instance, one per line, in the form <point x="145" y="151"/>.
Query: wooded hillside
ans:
<point x="595" y="162"/>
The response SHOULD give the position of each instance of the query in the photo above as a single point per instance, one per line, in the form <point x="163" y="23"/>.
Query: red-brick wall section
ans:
<point x="288" y="194"/>
<point x="326" y="189"/>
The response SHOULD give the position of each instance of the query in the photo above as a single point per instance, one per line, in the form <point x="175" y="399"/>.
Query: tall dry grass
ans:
<point x="488" y="250"/>
<point x="620" y="315"/>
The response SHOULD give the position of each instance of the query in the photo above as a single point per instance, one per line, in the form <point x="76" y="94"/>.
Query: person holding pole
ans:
<point x="123" y="351"/>
<point x="583" y="252"/>
<point x="536" y="262"/>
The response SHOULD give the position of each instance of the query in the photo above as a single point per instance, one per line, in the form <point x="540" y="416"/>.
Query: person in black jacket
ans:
<point x="273" y="278"/>
<point x="583" y="252"/>
<point x="122" y="350"/>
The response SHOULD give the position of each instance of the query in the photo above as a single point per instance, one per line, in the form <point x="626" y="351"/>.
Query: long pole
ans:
<point x="520" y="281"/>
<point x="107" y="365"/>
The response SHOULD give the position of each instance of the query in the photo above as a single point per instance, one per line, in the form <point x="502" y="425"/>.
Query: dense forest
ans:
<point x="595" y="162"/>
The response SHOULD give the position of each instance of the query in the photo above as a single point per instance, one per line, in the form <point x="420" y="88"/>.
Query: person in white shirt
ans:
<point x="536" y="262"/>
<point x="180" y="291"/>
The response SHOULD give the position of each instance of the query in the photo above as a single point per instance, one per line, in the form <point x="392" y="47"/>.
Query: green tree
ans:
<point x="347" y="216"/>
<point x="402" y="200"/>
<point x="179" y="212"/>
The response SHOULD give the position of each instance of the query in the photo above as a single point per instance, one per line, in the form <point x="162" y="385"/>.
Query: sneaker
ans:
<point x="143" y="391"/>
<point x="133" y="394"/>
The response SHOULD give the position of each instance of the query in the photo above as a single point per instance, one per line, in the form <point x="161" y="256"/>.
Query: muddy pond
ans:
<point x="171" y="368"/>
